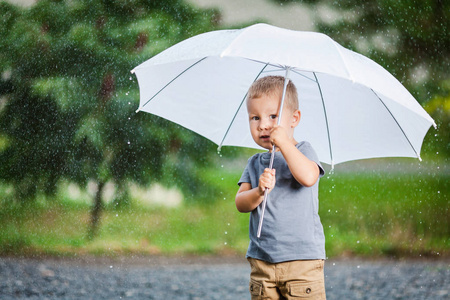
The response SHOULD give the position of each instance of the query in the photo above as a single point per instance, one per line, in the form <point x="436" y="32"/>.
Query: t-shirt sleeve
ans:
<point x="245" y="177"/>
<point x="311" y="154"/>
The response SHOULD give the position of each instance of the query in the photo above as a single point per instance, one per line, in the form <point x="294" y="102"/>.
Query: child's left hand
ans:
<point x="278" y="136"/>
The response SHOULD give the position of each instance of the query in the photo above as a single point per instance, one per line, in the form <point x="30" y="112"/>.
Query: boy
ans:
<point x="287" y="260"/>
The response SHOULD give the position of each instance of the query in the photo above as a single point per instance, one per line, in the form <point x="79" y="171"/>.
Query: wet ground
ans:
<point x="209" y="278"/>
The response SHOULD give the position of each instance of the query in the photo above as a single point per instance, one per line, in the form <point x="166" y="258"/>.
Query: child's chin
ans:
<point x="264" y="144"/>
<point x="267" y="146"/>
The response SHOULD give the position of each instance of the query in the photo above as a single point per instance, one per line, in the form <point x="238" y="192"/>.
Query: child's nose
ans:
<point x="266" y="123"/>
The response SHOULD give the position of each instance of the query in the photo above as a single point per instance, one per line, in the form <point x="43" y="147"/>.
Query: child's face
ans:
<point x="263" y="116"/>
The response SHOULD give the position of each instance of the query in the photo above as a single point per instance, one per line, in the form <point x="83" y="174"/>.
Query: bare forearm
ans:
<point x="246" y="201"/>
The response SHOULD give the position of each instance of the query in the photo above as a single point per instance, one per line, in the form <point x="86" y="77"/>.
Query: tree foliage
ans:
<point x="67" y="98"/>
<point x="410" y="38"/>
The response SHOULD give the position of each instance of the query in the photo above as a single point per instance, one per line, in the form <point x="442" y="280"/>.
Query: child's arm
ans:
<point x="304" y="170"/>
<point x="247" y="199"/>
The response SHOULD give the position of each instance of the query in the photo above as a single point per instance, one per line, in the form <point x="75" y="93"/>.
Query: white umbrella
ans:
<point x="352" y="108"/>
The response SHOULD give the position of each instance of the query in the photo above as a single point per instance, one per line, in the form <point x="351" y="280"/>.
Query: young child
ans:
<point x="287" y="260"/>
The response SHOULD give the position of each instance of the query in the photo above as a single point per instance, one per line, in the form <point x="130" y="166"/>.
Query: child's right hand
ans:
<point x="266" y="180"/>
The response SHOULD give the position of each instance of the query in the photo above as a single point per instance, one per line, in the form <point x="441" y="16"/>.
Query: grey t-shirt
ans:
<point x="292" y="229"/>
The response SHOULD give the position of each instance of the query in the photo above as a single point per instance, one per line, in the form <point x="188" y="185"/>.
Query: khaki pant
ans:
<point x="299" y="279"/>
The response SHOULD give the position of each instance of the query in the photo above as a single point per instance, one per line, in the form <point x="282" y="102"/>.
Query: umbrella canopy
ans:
<point x="352" y="108"/>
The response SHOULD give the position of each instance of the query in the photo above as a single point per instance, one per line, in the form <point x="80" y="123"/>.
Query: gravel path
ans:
<point x="209" y="278"/>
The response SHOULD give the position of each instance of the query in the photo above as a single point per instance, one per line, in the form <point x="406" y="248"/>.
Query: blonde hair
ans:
<point x="273" y="85"/>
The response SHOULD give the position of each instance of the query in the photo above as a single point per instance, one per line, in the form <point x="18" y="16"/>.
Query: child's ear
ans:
<point x="296" y="116"/>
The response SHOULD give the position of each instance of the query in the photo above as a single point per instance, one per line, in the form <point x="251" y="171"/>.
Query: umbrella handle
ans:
<point x="266" y="193"/>
<point x="263" y="209"/>
<point x="272" y="156"/>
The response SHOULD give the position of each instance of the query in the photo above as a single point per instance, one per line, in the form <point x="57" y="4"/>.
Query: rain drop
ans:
<point x="128" y="142"/>
<point x="226" y="232"/>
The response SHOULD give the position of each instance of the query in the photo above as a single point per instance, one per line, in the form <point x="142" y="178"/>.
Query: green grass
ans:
<point x="386" y="214"/>
<point x="55" y="227"/>
<point x="367" y="214"/>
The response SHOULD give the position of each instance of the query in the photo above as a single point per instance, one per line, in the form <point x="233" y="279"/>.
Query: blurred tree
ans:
<point x="67" y="98"/>
<point x="410" y="38"/>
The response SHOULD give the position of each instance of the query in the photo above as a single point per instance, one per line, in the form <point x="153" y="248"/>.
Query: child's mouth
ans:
<point x="265" y="137"/>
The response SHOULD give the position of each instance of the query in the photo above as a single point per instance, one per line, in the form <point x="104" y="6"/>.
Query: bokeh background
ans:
<point x="82" y="173"/>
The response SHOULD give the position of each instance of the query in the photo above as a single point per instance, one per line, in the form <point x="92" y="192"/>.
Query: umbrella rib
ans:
<point x="266" y="63"/>
<point x="404" y="133"/>
<point x="303" y="75"/>
<point x="175" y="78"/>
<point x="239" y="108"/>
<point x="326" y="120"/>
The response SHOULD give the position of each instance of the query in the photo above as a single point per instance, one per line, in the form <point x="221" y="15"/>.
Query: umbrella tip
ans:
<point x="132" y="71"/>
<point x="138" y="110"/>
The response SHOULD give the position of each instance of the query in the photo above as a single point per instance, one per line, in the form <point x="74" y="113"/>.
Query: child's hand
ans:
<point x="266" y="180"/>
<point x="278" y="136"/>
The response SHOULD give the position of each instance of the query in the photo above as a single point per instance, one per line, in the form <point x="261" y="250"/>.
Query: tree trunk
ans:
<point x="96" y="211"/>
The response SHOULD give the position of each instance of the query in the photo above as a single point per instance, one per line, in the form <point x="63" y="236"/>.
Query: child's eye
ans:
<point x="254" y="118"/>
<point x="273" y="117"/>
